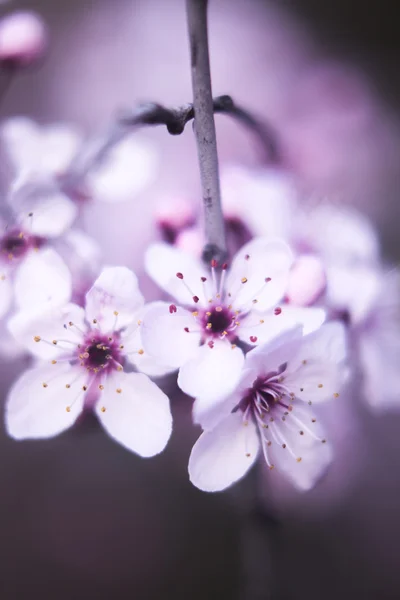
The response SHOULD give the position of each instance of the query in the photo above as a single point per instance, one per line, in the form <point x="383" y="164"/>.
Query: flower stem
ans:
<point x="204" y="127"/>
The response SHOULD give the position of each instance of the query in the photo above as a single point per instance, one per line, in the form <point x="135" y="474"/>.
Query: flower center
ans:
<point x="218" y="319"/>
<point x="101" y="352"/>
<point x="16" y="243"/>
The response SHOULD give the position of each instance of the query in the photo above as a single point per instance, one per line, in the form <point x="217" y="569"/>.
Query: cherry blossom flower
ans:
<point x="269" y="411"/>
<point x="368" y="301"/>
<point x="222" y="308"/>
<point x="86" y="353"/>
<point x="40" y="159"/>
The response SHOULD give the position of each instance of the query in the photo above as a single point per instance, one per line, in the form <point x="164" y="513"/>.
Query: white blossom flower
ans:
<point x="368" y="300"/>
<point x="270" y="411"/>
<point x="222" y="307"/>
<point x="86" y="354"/>
<point x="40" y="159"/>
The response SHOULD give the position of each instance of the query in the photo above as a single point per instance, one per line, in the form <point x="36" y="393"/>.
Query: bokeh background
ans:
<point x="79" y="516"/>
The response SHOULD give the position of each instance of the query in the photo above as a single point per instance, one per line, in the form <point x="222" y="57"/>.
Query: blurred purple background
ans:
<point x="82" y="518"/>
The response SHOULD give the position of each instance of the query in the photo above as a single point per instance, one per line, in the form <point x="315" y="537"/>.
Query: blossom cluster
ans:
<point x="302" y="304"/>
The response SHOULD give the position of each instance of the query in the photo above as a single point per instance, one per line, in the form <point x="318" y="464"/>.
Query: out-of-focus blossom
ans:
<point x="23" y="39"/>
<point x="240" y="303"/>
<point x="269" y="410"/>
<point x="41" y="161"/>
<point x="86" y="353"/>
<point x="369" y="301"/>
<point x="172" y="216"/>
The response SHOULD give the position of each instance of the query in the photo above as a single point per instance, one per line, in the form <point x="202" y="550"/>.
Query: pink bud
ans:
<point x="190" y="240"/>
<point x="307" y="280"/>
<point x="23" y="38"/>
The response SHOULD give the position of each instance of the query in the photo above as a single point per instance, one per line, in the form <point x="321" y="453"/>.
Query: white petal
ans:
<point x="116" y="290"/>
<point x="315" y="454"/>
<point x="340" y="233"/>
<point x="317" y="372"/>
<point x="83" y="249"/>
<point x="59" y="145"/>
<point x="36" y="411"/>
<point x="6" y="292"/>
<point x="212" y="372"/>
<point x="164" y="336"/>
<point x="138" y="415"/>
<point x="280" y="350"/>
<point x="163" y="262"/>
<point x="50" y="325"/>
<point x="42" y="280"/>
<point x="246" y="280"/>
<point x="222" y="456"/>
<point x="125" y="172"/>
<point x="354" y="289"/>
<point x="263" y="199"/>
<point x="131" y="339"/>
<point x="253" y="331"/>
<point x="20" y="139"/>
<point x="41" y="207"/>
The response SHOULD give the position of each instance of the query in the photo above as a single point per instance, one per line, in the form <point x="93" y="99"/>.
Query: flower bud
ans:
<point x="23" y="39"/>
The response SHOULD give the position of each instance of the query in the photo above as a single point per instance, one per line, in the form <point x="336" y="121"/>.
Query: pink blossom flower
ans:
<point x="270" y="411"/>
<point x="23" y="39"/>
<point x="222" y="307"/>
<point x="86" y="353"/>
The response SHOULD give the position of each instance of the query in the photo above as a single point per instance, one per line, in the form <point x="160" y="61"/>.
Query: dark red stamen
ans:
<point x="267" y="279"/>
<point x="224" y="266"/>
<point x="195" y="299"/>
<point x="247" y="257"/>
<point x="211" y="344"/>
<point x="172" y="308"/>
<point x="179" y="275"/>
<point x="186" y="329"/>
<point x="214" y="263"/>
<point x="253" y="339"/>
<point x="277" y="311"/>
<point x="203" y="279"/>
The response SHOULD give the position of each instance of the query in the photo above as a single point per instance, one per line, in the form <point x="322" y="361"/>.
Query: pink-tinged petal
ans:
<point x="212" y="372"/>
<point x="317" y="373"/>
<point x="263" y="200"/>
<point x="165" y="337"/>
<point x="353" y="289"/>
<point x="307" y="280"/>
<point x="281" y="349"/>
<point x="6" y="293"/>
<point x="36" y="330"/>
<point x="298" y="447"/>
<point x="259" y="271"/>
<point x="340" y="233"/>
<point x="39" y="403"/>
<point x="163" y="262"/>
<point x="41" y="207"/>
<point x="133" y="351"/>
<point x="114" y="298"/>
<point x="42" y="280"/>
<point x="135" y="412"/>
<point x="222" y="456"/>
<point x="126" y="170"/>
<point x="190" y="240"/>
<point x="255" y="331"/>
<point x="174" y="213"/>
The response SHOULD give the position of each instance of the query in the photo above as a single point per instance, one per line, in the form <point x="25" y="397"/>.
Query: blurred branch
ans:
<point x="175" y="120"/>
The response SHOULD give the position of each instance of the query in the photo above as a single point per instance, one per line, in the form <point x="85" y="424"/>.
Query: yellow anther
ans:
<point x="103" y="409"/>
<point x="336" y="395"/>
<point x="116" y="313"/>
<point x="141" y="351"/>
<point x="208" y="314"/>
<point x="218" y="308"/>
<point x="118" y="390"/>
<point x="320" y="385"/>
<point x="298" y="459"/>
<point x="55" y="342"/>
<point x="68" y="409"/>
<point x="209" y="325"/>
<point x="53" y="362"/>
<point x="101" y="386"/>
<point x="44" y="385"/>
<point x="37" y="338"/>
<point x="195" y="313"/>
<point x="67" y="385"/>
<point x="244" y="280"/>
<point x="262" y="321"/>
